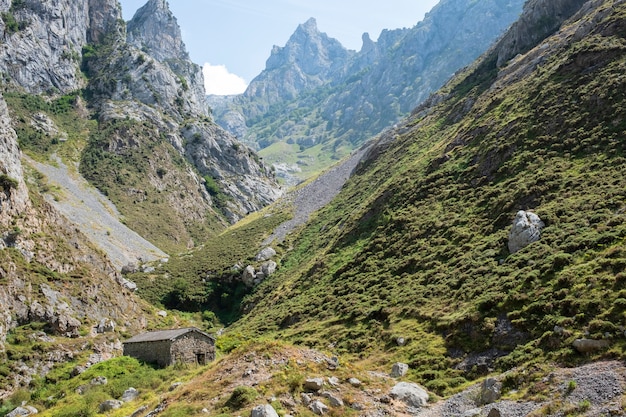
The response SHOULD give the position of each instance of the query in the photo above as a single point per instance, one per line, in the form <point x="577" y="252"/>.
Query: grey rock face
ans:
<point x="154" y="29"/>
<point x="411" y="394"/>
<point x="526" y="229"/>
<point x="23" y="411"/>
<point x="264" y="411"/>
<point x="44" y="54"/>
<point x="13" y="197"/>
<point x="399" y="370"/>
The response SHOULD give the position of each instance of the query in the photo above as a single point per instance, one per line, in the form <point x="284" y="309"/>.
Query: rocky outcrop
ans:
<point x="13" y="192"/>
<point x="154" y="30"/>
<point x="411" y="394"/>
<point x="526" y="229"/>
<point x="43" y="46"/>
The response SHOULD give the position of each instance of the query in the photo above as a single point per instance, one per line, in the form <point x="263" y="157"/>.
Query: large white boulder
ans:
<point x="526" y="229"/>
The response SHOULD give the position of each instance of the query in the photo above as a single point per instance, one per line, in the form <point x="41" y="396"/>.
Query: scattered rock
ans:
<point x="333" y="381"/>
<point x="268" y="268"/>
<point x="355" y="382"/>
<point x="489" y="391"/>
<point x="264" y="411"/>
<point x="399" y="370"/>
<point x="474" y="412"/>
<point x="140" y="411"/>
<point x="313" y="384"/>
<point x="175" y="385"/>
<point x="24" y="410"/>
<point x="526" y="229"/>
<point x="333" y="363"/>
<point x="410" y="393"/>
<point x="318" y="408"/>
<point x="129" y="285"/>
<point x="494" y="413"/>
<point x="162" y="313"/>
<point x="248" y="276"/>
<point x="129" y="395"/>
<point x="266" y="254"/>
<point x="401" y="341"/>
<point x="105" y="326"/>
<point x="306" y="399"/>
<point x="334" y="400"/>
<point x="385" y="399"/>
<point x="130" y="268"/>
<point x="99" y="380"/>
<point x="589" y="345"/>
<point x="109" y="405"/>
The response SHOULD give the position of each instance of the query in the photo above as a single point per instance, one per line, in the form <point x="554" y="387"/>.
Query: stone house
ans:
<point x="167" y="347"/>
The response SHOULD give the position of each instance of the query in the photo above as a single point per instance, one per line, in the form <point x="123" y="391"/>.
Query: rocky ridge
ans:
<point x="361" y="93"/>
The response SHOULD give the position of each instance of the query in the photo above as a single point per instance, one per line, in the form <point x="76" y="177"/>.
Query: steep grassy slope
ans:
<point x="415" y="246"/>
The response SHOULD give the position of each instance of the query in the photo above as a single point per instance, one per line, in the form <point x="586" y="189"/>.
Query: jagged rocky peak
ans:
<point x="154" y="29"/>
<point x="311" y="50"/>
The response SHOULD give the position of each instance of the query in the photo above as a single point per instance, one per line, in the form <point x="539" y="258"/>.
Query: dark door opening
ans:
<point x="201" y="358"/>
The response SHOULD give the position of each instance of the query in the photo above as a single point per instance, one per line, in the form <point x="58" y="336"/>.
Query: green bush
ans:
<point x="240" y="397"/>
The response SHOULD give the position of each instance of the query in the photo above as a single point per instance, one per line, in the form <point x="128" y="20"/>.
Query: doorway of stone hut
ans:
<point x="201" y="358"/>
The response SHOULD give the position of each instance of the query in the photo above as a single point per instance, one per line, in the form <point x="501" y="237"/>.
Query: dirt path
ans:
<point x="95" y="215"/>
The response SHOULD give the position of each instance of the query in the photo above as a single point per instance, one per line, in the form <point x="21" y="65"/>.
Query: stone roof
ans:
<point x="161" y="335"/>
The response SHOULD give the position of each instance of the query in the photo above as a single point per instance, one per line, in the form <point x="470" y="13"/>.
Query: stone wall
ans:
<point x="153" y="352"/>
<point x="193" y="348"/>
<point x="189" y="348"/>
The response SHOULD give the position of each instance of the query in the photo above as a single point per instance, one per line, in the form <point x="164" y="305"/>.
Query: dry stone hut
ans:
<point x="167" y="347"/>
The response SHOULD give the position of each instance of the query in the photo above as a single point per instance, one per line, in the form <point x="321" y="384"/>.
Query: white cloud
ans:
<point x="218" y="81"/>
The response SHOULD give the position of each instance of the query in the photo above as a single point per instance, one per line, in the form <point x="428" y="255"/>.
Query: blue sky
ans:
<point x="232" y="39"/>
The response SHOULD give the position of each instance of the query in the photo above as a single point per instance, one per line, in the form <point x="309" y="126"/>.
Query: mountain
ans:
<point x="417" y="245"/>
<point x="316" y="101"/>
<point x="83" y="98"/>
<point x="472" y="264"/>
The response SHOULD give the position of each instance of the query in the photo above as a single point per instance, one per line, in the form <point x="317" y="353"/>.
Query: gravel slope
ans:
<point x="95" y="216"/>
<point x="315" y="195"/>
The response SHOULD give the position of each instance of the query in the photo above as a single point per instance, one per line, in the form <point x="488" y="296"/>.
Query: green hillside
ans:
<point x="415" y="245"/>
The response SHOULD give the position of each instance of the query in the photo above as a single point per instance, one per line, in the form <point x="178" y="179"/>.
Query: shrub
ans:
<point x="241" y="396"/>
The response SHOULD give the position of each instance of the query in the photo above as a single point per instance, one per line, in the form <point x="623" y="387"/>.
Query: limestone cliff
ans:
<point x="43" y="41"/>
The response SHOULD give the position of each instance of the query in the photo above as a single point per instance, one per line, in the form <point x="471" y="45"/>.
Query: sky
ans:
<point x="232" y="39"/>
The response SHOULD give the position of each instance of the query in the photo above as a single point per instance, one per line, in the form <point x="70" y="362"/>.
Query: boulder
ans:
<point x="410" y="393"/>
<point x="109" y="405"/>
<point x="589" y="345"/>
<point x="264" y="411"/>
<point x="526" y="229"/>
<point x="105" y="326"/>
<point x="129" y="395"/>
<point x="265" y="255"/>
<point x="313" y="384"/>
<point x="355" y="382"/>
<point x="333" y="399"/>
<point x="494" y="413"/>
<point x="268" y="268"/>
<point x="489" y="391"/>
<point x="24" y="410"/>
<point x="248" y="276"/>
<point x="318" y="407"/>
<point x="399" y="370"/>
